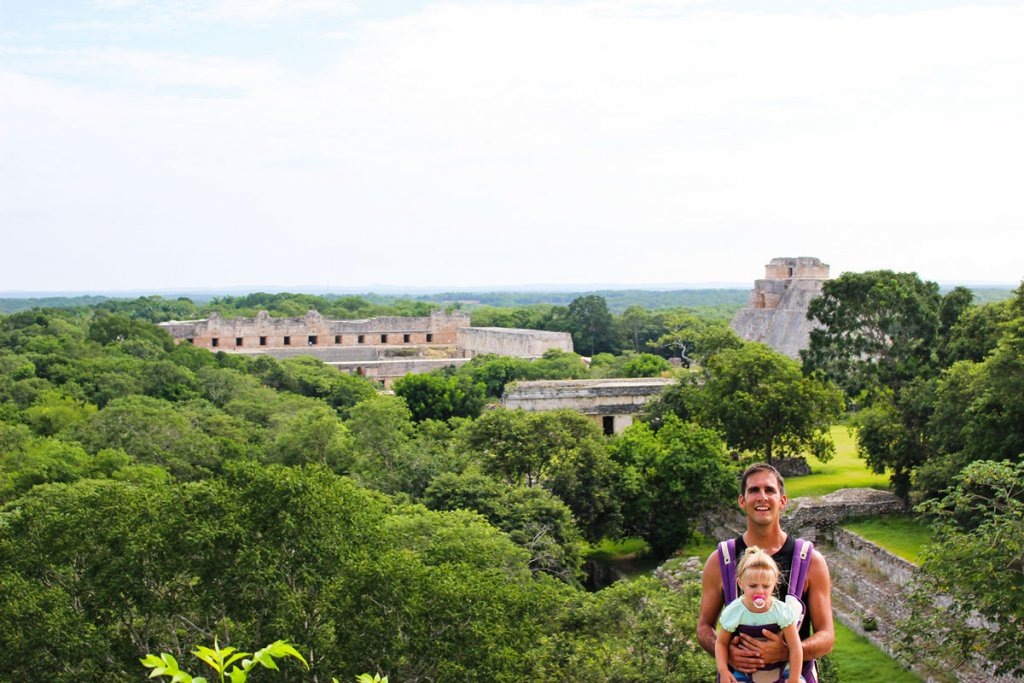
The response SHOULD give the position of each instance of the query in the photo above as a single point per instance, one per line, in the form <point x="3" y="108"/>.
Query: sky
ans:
<point x="471" y="144"/>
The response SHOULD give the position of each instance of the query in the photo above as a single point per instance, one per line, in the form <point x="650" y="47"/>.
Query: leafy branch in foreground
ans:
<point x="219" y="659"/>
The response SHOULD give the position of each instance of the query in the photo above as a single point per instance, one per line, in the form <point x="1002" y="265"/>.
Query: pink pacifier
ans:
<point x="759" y="600"/>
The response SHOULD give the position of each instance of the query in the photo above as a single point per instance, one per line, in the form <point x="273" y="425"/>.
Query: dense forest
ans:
<point x="158" y="496"/>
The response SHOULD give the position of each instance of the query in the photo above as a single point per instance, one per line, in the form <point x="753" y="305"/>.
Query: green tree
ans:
<point x="975" y="333"/>
<point x="115" y="328"/>
<point x="154" y="431"/>
<point x="630" y="632"/>
<point x="534" y="518"/>
<point x="646" y="365"/>
<point x="964" y="597"/>
<point x="670" y="478"/>
<point x="876" y="330"/>
<point x="892" y="434"/>
<point x="694" y="339"/>
<point x="591" y="325"/>
<point x="53" y="410"/>
<point x="440" y="395"/>
<point x="560" y="450"/>
<point x="389" y="453"/>
<point x="317" y="436"/>
<point x="763" y="403"/>
<point x="637" y="327"/>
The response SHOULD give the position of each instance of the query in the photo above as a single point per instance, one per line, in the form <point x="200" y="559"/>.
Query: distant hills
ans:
<point x="618" y="299"/>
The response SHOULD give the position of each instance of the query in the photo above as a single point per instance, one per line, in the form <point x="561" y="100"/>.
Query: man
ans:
<point x="762" y="498"/>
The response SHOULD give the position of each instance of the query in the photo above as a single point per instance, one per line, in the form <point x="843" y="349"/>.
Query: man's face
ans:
<point x="762" y="500"/>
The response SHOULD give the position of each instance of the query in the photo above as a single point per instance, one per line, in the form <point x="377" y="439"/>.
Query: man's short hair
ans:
<point x="761" y="467"/>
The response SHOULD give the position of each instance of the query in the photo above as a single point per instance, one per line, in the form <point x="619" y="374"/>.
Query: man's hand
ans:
<point x="770" y="649"/>
<point x="743" y="657"/>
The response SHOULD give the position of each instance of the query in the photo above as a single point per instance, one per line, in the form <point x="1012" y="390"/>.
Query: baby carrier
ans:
<point x="797" y="579"/>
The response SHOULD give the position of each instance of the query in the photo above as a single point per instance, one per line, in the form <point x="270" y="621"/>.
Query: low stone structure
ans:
<point x="502" y="341"/>
<point x="264" y="332"/>
<point x="776" y="313"/>
<point x="382" y="349"/>
<point x="611" y="403"/>
<point x="806" y="515"/>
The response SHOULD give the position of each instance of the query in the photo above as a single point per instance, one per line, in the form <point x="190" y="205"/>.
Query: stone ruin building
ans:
<point x="776" y="313"/>
<point x="383" y="349"/>
<point x="611" y="403"/>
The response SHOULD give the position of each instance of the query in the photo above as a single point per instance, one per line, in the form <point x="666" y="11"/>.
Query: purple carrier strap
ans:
<point x="798" y="570"/>
<point x="797" y="580"/>
<point x="727" y="568"/>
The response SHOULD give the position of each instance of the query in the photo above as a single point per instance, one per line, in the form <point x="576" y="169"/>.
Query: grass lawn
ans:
<point x="843" y="471"/>
<point x="861" y="661"/>
<point x="627" y="548"/>
<point x="901" y="535"/>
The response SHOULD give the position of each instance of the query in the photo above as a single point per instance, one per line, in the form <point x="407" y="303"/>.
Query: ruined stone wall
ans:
<point x="588" y="396"/>
<point x="519" y="343"/>
<point x="386" y="371"/>
<point x="312" y="330"/>
<point x="808" y="515"/>
<point x="611" y="403"/>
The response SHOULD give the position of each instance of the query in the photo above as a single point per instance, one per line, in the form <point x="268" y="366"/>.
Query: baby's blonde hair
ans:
<point x="755" y="558"/>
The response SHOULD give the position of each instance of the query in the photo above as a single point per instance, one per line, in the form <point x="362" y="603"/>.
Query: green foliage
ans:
<point x="387" y="456"/>
<point x="891" y="435"/>
<point x="645" y="365"/>
<point x="632" y="632"/>
<point x="560" y="450"/>
<point x="879" y="329"/>
<point x="308" y="376"/>
<point x="53" y="411"/>
<point x="974" y="569"/>
<point x="694" y="339"/>
<point x="762" y="402"/>
<point x="219" y="659"/>
<point x="494" y="372"/>
<point x="590" y="323"/>
<point x="669" y="479"/>
<point x="933" y="427"/>
<point x="155" y="432"/>
<point x="315" y="435"/>
<point x="534" y="518"/>
<point x="113" y="328"/>
<point x="440" y="395"/>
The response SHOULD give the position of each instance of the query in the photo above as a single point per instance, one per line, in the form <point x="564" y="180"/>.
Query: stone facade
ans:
<point x="611" y="403"/>
<point x="776" y="313"/>
<point x="383" y="349"/>
<point x="502" y="341"/>
<point x="264" y="333"/>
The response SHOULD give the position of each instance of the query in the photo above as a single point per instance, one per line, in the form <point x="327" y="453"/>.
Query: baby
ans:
<point x="757" y="575"/>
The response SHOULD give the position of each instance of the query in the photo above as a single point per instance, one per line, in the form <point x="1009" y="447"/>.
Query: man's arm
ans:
<point x="740" y="658"/>
<point x="710" y="603"/>
<point x="819" y="610"/>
